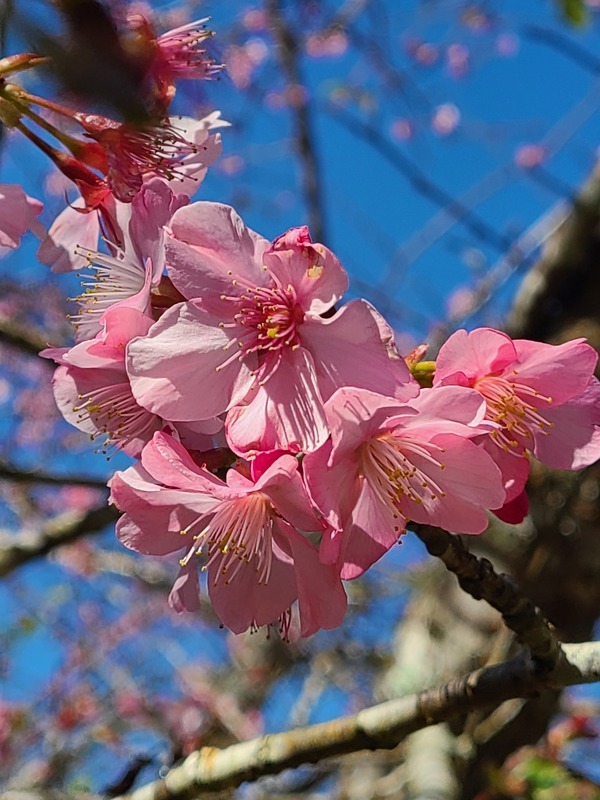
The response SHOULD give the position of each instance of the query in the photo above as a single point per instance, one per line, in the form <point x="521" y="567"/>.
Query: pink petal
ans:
<point x="559" y="371"/>
<point x="480" y="352"/>
<point x="185" y="594"/>
<point x="18" y="214"/>
<point x="321" y="597"/>
<point x="312" y="269"/>
<point x="574" y="440"/>
<point x="456" y="408"/>
<point x="244" y="601"/>
<point x="334" y="490"/>
<point x="355" y="415"/>
<point x="282" y="484"/>
<point x="151" y="209"/>
<point x="172" y="367"/>
<point x="70" y="229"/>
<point x="515" y="510"/>
<point x="285" y="413"/>
<point x="169" y="463"/>
<point x="515" y="467"/>
<point x="154" y="516"/>
<point x="351" y="349"/>
<point x="470" y="481"/>
<point x="372" y="530"/>
<point x="209" y="247"/>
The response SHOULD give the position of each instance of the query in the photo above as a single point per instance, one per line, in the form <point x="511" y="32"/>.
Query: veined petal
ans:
<point x="169" y="462"/>
<point x="242" y="601"/>
<point x="151" y="209"/>
<point x="285" y="413"/>
<point x="311" y="268"/>
<point x="573" y="441"/>
<point x="469" y="483"/>
<point x="371" y="531"/>
<point x="481" y="352"/>
<point x="185" y="594"/>
<point x="321" y="597"/>
<point x="560" y="371"/>
<point x="349" y="350"/>
<point x="154" y="515"/>
<point x="355" y="415"/>
<point x="462" y="410"/>
<point x="210" y="246"/>
<point x="180" y="370"/>
<point x="282" y="484"/>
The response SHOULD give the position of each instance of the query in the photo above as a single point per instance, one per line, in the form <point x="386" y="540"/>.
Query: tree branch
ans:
<point x="381" y="726"/>
<point x="10" y="473"/>
<point x="68" y="528"/>
<point x="22" y="338"/>
<point x="419" y="180"/>
<point x="478" y="578"/>
<point x="287" y="48"/>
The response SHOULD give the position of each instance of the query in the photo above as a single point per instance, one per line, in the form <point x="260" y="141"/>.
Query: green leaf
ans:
<point x="574" y="11"/>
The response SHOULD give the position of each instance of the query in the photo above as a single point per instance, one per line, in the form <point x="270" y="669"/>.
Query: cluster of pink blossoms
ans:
<point x="281" y="442"/>
<point x="111" y="161"/>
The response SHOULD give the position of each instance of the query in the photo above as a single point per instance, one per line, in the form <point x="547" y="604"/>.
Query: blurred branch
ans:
<point x="477" y="577"/>
<point x="287" y="49"/>
<point x="23" y="338"/>
<point x="381" y="726"/>
<point x="370" y="134"/>
<point x="564" y="44"/>
<point x="10" y="473"/>
<point x="66" y="529"/>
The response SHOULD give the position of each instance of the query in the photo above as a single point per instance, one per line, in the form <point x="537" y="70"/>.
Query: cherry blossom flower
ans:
<point x="247" y="529"/>
<point x="18" y="214"/>
<point x="389" y="462"/>
<point x="171" y="56"/>
<point x="129" y="276"/>
<point x="132" y="151"/>
<point x="92" y="389"/>
<point x="543" y="398"/>
<point x="79" y="226"/>
<point x="253" y="330"/>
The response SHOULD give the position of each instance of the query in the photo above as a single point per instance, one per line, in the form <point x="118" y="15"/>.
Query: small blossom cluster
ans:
<point x="110" y="161"/>
<point x="281" y="443"/>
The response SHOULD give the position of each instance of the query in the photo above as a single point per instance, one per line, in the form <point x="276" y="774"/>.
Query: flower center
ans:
<point x="239" y="533"/>
<point x="267" y="319"/>
<point x="514" y="406"/>
<point x="387" y="463"/>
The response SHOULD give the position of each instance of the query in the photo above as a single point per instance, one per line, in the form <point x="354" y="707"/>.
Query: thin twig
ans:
<point x="25" y="339"/>
<point x="15" y="475"/>
<point x="287" y="49"/>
